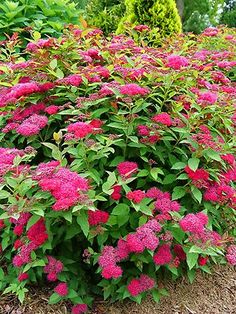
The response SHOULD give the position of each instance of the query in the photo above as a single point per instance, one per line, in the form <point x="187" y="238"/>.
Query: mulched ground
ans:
<point x="209" y="294"/>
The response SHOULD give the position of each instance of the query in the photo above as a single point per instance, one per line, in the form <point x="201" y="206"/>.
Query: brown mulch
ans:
<point x="209" y="294"/>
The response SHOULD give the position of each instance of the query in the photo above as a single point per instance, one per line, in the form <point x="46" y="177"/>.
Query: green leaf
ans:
<point x="82" y="220"/>
<point x="212" y="154"/>
<point x="170" y="178"/>
<point x="121" y="210"/>
<point x="178" y="192"/>
<point x="196" y="193"/>
<point x="156" y="296"/>
<point x="193" y="163"/>
<point x="179" y="165"/>
<point x="4" y="194"/>
<point x="54" y="298"/>
<point x="192" y="259"/>
<point x="53" y="64"/>
<point x="191" y="275"/>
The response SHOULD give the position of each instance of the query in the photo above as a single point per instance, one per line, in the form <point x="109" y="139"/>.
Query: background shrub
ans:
<point x="45" y="16"/>
<point x="117" y="163"/>
<point x="105" y="14"/>
<point x="161" y="16"/>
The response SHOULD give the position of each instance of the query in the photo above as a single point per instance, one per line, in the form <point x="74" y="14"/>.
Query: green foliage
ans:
<point x="161" y="16"/>
<point x="105" y="14"/>
<point x="45" y="16"/>
<point x="228" y="16"/>
<point x="200" y="14"/>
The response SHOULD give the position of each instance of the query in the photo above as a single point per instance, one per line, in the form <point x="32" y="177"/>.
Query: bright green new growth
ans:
<point x="160" y="15"/>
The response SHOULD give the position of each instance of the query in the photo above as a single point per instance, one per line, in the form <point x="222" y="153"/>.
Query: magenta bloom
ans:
<point x="163" y="118"/>
<point x="133" y="90"/>
<point x="208" y="98"/>
<point x="136" y="196"/>
<point x="97" y="217"/>
<point x="163" y="255"/>
<point x="137" y="286"/>
<point x="176" y="62"/>
<point x="127" y="168"/>
<point x="61" y="289"/>
<point x="79" y="309"/>
<point x="231" y="254"/>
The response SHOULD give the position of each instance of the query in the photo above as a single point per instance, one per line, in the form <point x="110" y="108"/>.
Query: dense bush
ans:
<point x="117" y="164"/>
<point x="161" y="16"/>
<point x="105" y="14"/>
<point x="45" y="16"/>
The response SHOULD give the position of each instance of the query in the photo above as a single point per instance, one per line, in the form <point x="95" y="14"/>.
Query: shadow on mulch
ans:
<point x="209" y="294"/>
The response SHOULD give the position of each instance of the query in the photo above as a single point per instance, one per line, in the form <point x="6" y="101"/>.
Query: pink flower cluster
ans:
<point x="137" y="286"/>
<point x="207" y="98"/>
<point x="133" y="90"/>
<point x="79" y="130"/>
<point x="36" y="235"/>
<point x="21" y="89"/>
<point x="144" y="238"/>
<point x="127" y="168"/>
<point x="7" y="159"/>
<point x="199" y="177"/>
<point x="116" y="194"/>
<point x="97" y="217"/>
<point x="163" y="255"/>
<point x="53" y="268"/>
<point x="194" y="223"/>
<point x="64" y="185"/>
<point x="163" y="202"/>
<point x="163" y="118"/>
<point x="79" y="309"/>
<point x="32" y="125"/>
<point x="61" y="289"/>
<point x="177" y="62"/>
<point x="231" y="254"/>
<point x="136" y="196"/>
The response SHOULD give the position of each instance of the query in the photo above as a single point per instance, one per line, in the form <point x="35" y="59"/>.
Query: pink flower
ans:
<point x="17" y="244"/>
<point x="122" y="249"/>
<point x="112" y="271"/>
<point x="229" y="158"/>
<point x="116" y="195"/>
<point x="97" y="217"/>
<point x="61" y="289"/>
<point x="163" y="255"/>
<point x="207" y="98"/>
<point x="133" y="89"/>
<point x="27" y="129"/>
<point x="141" y="28"/>
<point x="163" y="118"/>
<point x="194" y="223"/>
<point x="137" y="286"/>
<point x="37" y="233"/>
<point x="231" y="254"/>
<point x="79" y="309"/>
<point x="134" y="287"/>
<point x="202" y="260"/>
<point x="51" y="109"/>
<point x="179" y="252"/>
<point x="23" y="277"/>
<point x="134" y="243"/>
<point x="176" y="62"/>
<point x="18" y="230"/>
<point x="80" y="129"/>
<point x="136" y="196"/>
<point x="127" y="168"/>
<point x="165" y="205"/>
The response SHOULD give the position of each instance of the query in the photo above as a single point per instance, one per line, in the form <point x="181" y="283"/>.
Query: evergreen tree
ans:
<point x="160" y="15"/>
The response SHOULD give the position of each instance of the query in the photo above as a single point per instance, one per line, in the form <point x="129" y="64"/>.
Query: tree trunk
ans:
<point x="180" y="7"/>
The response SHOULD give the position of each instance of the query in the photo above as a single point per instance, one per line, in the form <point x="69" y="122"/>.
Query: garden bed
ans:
<point x="214" y="293"/>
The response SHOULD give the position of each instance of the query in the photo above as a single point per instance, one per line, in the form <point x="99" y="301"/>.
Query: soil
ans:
<point x="209" y="294"/>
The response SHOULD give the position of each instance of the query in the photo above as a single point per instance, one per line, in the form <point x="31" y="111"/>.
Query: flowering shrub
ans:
<point x="117" y="164"/>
